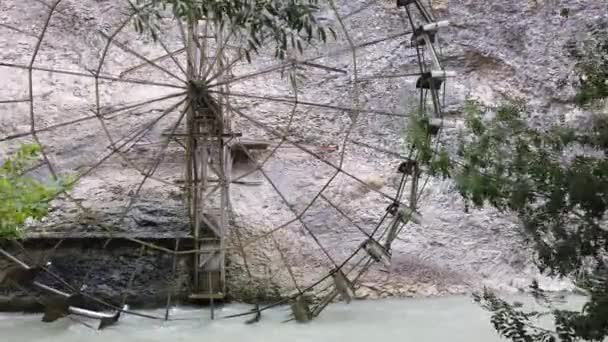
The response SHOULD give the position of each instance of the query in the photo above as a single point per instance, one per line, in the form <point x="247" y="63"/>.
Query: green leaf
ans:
<point x="24" y="197"/>
<point x="272" y="20"/>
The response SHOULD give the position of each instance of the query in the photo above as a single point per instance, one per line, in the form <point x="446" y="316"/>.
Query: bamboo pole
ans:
<point x="191" y="193"/>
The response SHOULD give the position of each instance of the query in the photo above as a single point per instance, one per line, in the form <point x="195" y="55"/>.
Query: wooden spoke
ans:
<point x="91" y="75"/>
<point x="123" y="46"/>
<point x="389" y="76"/>
<point x="12" y="28"/>
<point x="308" y="103"/>
<point x="157" y="59"/>
<point x="312" y="153"/>
<point x="14" y="101"/>
<point x="90" y="117"/>
<point x="282" y="65"/>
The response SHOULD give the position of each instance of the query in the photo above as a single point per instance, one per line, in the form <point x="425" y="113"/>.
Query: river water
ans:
<point x="451" y="319"/>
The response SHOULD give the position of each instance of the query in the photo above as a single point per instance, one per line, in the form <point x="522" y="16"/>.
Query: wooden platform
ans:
<point x="207" y="296"/>
<point x="65" y="235"/>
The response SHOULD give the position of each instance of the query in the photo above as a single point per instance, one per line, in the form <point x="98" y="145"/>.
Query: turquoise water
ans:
<point x="455" y="319"/>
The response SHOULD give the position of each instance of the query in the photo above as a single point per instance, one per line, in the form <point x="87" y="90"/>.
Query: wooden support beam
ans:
<point x="203" y="135"/>
<point x="206" y="296"/>
<point x="250" y="145"/>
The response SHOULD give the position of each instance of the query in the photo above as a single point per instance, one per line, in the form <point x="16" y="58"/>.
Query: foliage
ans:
<point x="516" y="324"/>
<point x="538" y="174"/>
<point x="23" y="197"/>
<point x="592" y="68"/>
<point x="555" y="179"/>
<point x="544" y="177"/>
<point x="288" y="24"/>
<point x="428" y="152"/>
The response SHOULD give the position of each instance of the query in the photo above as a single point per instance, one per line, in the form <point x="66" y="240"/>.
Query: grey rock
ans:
<point x="501" y="49"/>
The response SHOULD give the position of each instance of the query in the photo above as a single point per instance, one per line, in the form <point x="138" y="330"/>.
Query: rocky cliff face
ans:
<point x="500" y="49"/>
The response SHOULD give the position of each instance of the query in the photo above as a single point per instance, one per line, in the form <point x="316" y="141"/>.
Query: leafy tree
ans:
<point x="286" y="24"/>
<point x="555" y="179"/>
<point x="560" y="193"/>
<point x="23" y="197"/>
